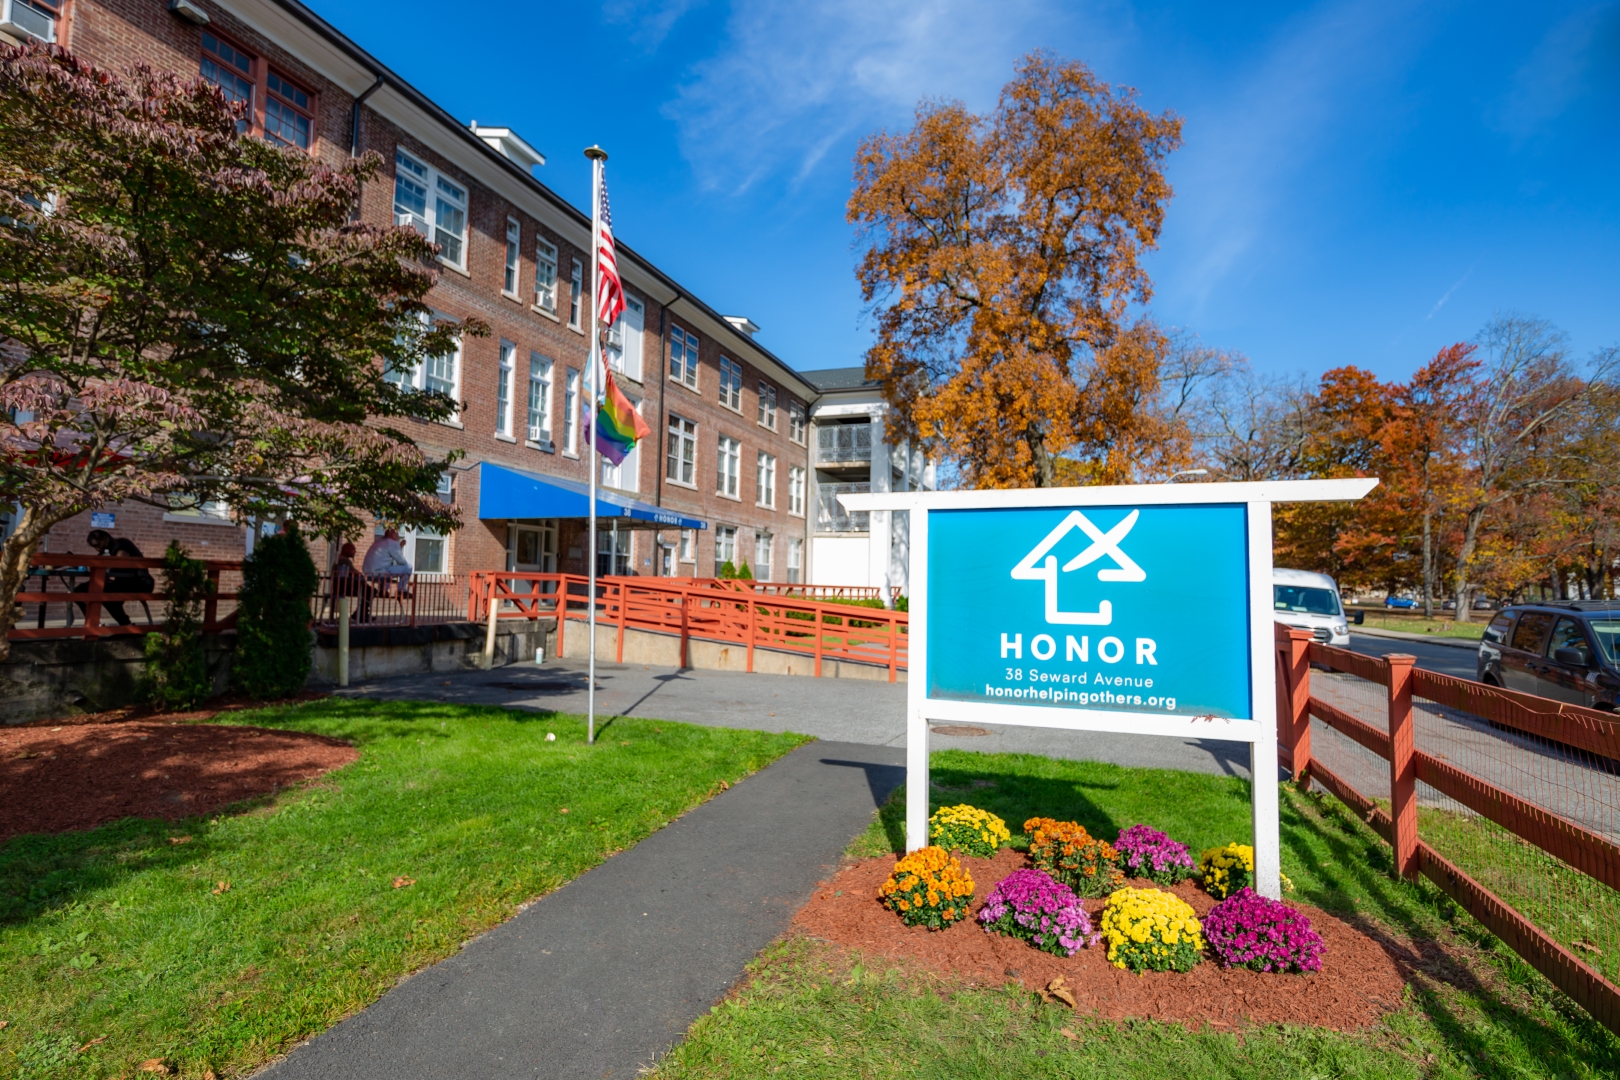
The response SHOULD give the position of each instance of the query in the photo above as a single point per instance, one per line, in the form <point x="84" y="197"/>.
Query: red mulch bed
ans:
<point x="1358" y="983"/>
<point x="87" y="772"/>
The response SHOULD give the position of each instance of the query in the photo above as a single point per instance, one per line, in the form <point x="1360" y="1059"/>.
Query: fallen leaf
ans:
<point x="1067" y="1034"/>
<point x="92" y="1042"/>
<point x="222" y="887"/>
<point x="179" y="839"/>
<point x="624" y="743"/>
<point x="563" y="810"/>
<point x="1587" y="946"/>
<point x="402" y="881"/>
<point x="1056" y="992"/>
<point x="155" y="1065"/>
<point x="724" y="786"/>
<point x="3" y="1023"/>
<point x="209" y="1075"/>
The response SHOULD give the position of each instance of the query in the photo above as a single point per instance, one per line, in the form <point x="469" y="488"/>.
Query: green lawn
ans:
<point x="118" y="935"/>
<point x="1439" y="627"/>
<point x="811" y="1011"/>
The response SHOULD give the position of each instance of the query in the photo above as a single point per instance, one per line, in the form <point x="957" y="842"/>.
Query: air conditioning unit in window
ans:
<point x="23" y="19"/>
<point x="412" y="221"/>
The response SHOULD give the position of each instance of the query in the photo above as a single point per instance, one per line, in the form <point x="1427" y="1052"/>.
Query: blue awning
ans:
<point x="505" y="493"/>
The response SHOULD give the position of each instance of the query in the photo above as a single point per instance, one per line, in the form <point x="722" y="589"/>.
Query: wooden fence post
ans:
<point x="92" y="608"/>
<point x="894" y="644"/>
<point x="815" y="614"/>
<point x="624" y="605"/>
<point x="752" y="618"/>
<point x="562" y="610"/>
<point x="1294" y="702"/>
<point x="686" y="628"/>
<point x="343" y="641"/>
<point x="1402" y="765"/>
<point x="492" y="612"/>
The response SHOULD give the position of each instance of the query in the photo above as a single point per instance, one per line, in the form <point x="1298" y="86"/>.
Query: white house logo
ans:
<point x="1039" y="565"/>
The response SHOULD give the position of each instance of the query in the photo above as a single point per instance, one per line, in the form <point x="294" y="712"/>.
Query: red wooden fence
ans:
<point x="67" y="569"/>
<point x="729" y="612"/>
<point x="1579" y="847"/>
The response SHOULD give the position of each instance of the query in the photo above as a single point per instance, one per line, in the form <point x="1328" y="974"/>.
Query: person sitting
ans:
<point x="118" y="579"/>
<point x="385" y="564"/>
<point x="347" y="580"/>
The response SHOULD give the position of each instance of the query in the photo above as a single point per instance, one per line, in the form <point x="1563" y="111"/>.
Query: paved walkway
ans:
<point x="602" y="976"/>
<point x="845" y="710"/>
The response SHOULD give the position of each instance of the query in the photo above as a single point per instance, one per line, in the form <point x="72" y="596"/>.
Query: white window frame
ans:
<point x="576" y="294"/>
<point x="728" y="463"/>
<point x="763" y="541"/>
<point x="731" y="380"/>
<point x="514" y="259"/>
<point x="795" y="561"/>
<point x="412" y="541"/>
<point x="503" y="389"/>
<point x="765" y="480"/>
<point x="540" y="369"/>
<point x="797" y="424"/>
<point x="571" y="412"/>
<point x="767" y="405"/>
<point x="683" y="356"/>
<point x="441" y="198"/>
<point x="680" y="455"/>
<point x="418" y="378"/>
<point x="623" y="350"/>
<point x="796" y="490"/>
<point x="725" y="546"/>
<point x="545" y="276"/>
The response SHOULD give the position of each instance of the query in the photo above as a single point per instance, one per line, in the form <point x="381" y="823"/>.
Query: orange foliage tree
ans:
<point x="1002" y="253"/>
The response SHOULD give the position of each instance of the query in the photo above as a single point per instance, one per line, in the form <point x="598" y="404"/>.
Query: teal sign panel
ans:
<point x="1112" y="608"/>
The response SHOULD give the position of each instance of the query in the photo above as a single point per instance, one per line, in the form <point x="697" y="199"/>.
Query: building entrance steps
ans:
<point x="602" y="976"/>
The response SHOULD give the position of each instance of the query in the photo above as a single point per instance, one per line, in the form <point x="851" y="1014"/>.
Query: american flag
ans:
<point x="609" y="290"/>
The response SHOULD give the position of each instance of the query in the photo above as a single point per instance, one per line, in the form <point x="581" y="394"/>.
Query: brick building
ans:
<point x="726" y="474"/>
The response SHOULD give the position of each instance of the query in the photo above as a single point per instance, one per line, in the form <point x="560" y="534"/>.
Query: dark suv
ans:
<point x="1567" y="650"/>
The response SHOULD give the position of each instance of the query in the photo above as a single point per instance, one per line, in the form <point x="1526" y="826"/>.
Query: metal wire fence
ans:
<point x="1517" y="806"/>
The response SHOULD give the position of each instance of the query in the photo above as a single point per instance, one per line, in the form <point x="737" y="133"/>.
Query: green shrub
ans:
<point x="176" y="675"/>
<point x="744" y="573"/>
<point x="273" y="638"/>
<point x="901" y="603"/>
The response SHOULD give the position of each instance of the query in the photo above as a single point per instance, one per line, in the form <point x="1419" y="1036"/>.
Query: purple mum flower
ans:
<point x="1149" y="853"/>
<point x="1030" y="905"/>
<point x="1248" y="930"/>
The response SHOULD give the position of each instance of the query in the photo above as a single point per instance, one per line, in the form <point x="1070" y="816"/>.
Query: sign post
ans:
<point x="1136" y="609"/>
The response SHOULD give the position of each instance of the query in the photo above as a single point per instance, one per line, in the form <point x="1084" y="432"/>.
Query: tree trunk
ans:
<point x="1045" y="470"/>
<point x="1476" y="518"/>
<point x="15" y="556"/>
<point x="1428" y="563"/>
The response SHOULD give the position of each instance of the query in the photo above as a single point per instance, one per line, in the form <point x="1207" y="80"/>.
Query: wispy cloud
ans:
<point x="1247" y="145"/>
<point x="652" y="20"/>
<point x="1560" y="67"/>
<point x="797" y="81"/>
<point x="1440" y="303"/>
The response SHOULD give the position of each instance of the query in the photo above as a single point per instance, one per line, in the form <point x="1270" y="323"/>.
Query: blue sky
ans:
<point x="1361" y="182"/>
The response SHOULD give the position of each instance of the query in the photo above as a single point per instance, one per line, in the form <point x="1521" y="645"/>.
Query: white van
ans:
<point x="1309" y="602"/>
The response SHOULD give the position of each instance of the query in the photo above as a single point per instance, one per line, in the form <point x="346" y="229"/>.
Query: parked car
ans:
<point x="1566" y="650"/>
<point x="1310" y="602"/>
<point x="1399" y="602"/>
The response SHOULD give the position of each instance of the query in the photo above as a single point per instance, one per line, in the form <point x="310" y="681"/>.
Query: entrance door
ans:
<point x="666" y="559"/>
<point x="534" y="551"/>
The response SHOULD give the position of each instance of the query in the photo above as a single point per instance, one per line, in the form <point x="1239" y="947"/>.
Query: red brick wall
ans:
<point x="119" y="33"/>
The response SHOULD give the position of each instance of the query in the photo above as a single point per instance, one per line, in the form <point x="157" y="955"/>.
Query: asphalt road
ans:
<point x="1445" y="659"/>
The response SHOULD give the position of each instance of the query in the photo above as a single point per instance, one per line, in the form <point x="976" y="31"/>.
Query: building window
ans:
<point x="514" y="236"/>
<point x="623" y="352"/>
<point x="540" y="400"/>
<point x="545" y="276"/>
<point x="767" y="405"/>
<point x="441" y="373"/>
<point x="765" y="479"/>
<point x="626" y="475"/>
<point x="725" y="548"/>
<point x="795" y="566"/>
<point x="730" y="383"/>
<point x="571" y="412"/>
<point x="682" y="457"/>
<point x="227" y="67"/>
<point x="762" y="556"/>
<point x="576" y="292"/>
<point x="288" y="114"/>
<point x="613" y="552"/>
<point x="432" y="205"/>
<point x="796" y="490"/>
<point x="447" y="487"/>
<point x="428" y="556"/>
<point x="683" y="356"/>
<point x="727" y="465"/>
<point x="689" y="545"/>
<point x="503" y="390"/>
<point x="796" y="422"/>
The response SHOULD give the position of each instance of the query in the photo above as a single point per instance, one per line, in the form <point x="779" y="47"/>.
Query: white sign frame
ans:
<point x="1260" y="731"/>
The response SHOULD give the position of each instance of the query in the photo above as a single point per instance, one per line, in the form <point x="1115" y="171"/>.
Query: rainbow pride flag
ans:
<point x="618" y="426"/>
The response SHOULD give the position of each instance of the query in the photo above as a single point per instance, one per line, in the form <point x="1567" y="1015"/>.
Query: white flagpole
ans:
<point x="597" y="156"/>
